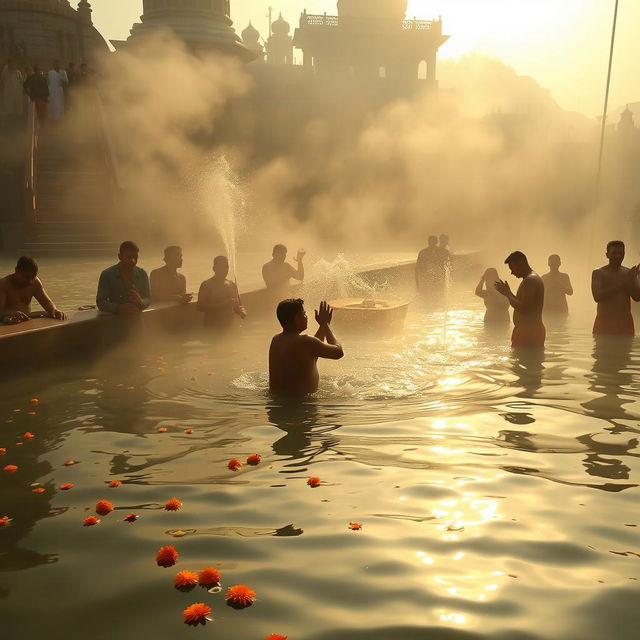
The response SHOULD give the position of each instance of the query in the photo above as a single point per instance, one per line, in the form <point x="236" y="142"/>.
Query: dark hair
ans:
<point x="128" y="245"/>
<point x="27" y="263"/>
<point x="615" y="243"/>
<point x="174" y="248"/>
<point x="279" y="247"/>
<point x="288" y="309"/>
<point x="516" y="256"/>
<point x="219" y="259"/>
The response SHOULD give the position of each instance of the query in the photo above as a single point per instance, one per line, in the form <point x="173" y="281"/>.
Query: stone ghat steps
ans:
<point x="39" y="249"/>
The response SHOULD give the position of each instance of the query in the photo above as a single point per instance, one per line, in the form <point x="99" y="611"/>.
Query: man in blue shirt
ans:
<point x="124" y="287"/>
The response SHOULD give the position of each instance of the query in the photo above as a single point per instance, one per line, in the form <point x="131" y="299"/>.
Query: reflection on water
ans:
<point x="488" y="484"/>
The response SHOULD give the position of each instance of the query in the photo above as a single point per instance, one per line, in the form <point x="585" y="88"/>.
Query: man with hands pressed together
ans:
<point x="527" y="303"/>
<point x="293" y="357"/>
<point x="124" y="287"/>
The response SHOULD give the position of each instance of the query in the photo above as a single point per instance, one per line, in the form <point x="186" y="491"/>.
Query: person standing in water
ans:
<point x="277" y="272"/>
<point x="613" y="286"/>
<point x="557" y="286"/>
<point x="167" y="285"/>
<point x="430" y="266"/>
<point x="496" y="305"/>
<point x="124" y="287"/>
<point x="527" y="303"/>
<point x="218" y="297"/>
<point x="293" y="357"/>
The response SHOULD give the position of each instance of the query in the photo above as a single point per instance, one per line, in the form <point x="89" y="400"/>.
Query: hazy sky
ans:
<point x="563" y="44"/>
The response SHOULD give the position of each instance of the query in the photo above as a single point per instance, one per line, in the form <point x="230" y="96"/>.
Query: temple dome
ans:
<point x="280" y="27"/>
<point x="387" y="9"/>
<point x="250" y="35"/>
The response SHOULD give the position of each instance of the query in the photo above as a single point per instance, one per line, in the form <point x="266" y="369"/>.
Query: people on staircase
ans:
<point x="37" y="88"/>
<point x="58" y="81"/>
<point x="11" y="91"/>
<point x="19" y="288"/>
<point x="124" y="287"/>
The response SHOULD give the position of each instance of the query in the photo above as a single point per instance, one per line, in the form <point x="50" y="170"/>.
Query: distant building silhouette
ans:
<point x="280" y="43"/>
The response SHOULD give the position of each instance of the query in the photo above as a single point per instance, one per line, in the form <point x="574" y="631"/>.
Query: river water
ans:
<point x="497" y="494"/>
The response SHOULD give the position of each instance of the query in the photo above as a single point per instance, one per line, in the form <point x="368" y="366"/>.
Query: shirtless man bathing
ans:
<point x="17" y="291"/>
<point x="613" y="286"/>
<point x="527" y="303"/>
<point x="293" y="357"/>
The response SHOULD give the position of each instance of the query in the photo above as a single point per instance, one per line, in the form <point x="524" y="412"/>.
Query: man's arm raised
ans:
<point x="332" y="349"/>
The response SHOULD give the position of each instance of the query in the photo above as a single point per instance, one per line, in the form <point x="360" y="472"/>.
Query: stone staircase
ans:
<point x="75" y="200"/>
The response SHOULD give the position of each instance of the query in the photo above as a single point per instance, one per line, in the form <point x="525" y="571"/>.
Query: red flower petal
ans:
<point x="4" y="520"/>
<point x="90" y="521"/>
<point x="167" y="556"/>
<point x="38" y="490"/>
<point x="10" y="468"/>
<point x="234" y="464"/>
<point x="69" y="485"/>
<point x="355" y="526"/>
<point x="163" y="430"/>
<point x="188" y="431"/>
<point x="173" y="504"/>
<point x="115" y="483"/>
<point x="103" y="507"/>
<point x="314" y="482"/>
<point x="68" y="463"/>
<point x="276" y="636"/>
<point x="2" y="451"/>
<point x="34" y="400"/>
<point x="28" y="435"/>
<point x="132" y="517"/>
<point x="254" y="459"/>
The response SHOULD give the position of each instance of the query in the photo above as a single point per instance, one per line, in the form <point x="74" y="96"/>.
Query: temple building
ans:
<point x="39" y="31"/>
<point x="280" y="43"/>
<point x="203" y="24"/>
<point x="370" y="38"/>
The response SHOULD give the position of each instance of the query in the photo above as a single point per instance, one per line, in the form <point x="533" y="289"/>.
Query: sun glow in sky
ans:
<point x="563" y="44"/>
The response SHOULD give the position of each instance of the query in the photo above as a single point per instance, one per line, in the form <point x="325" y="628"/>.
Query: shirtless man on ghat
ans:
<point x="613" y="286"/>
<point x="17" y="291"/>
<point x="527" y="303"/>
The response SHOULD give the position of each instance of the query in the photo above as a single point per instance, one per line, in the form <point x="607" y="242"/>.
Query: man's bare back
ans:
<point x="293" y="357"/>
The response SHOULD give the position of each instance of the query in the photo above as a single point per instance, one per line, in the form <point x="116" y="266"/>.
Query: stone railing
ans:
<point x="324" y="20"/>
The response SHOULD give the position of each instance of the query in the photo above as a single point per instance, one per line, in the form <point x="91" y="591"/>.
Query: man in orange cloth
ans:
<point x="612" y="287"/>
<point x="527" y="303"/>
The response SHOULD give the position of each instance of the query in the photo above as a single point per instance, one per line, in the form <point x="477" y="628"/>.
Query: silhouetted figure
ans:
<point x="37" y="88"/>
<point x="124" y="287"/>
<point x="293" y="357"/>
<point x="496" y="305"/>
<point x="167" y="285"/>
<point x="430" y="267"/>
<point x="58" y="81"/>
<point x="445" y="252"/>
<point x="277" y="272"/>
<point x="527" y="303"/>
<point x="557" y="286"/>
<point x="218" y="297"/>
<point x="17" y="290"/>
<point x="11" y="91"/>
<point x="613" y="286"/>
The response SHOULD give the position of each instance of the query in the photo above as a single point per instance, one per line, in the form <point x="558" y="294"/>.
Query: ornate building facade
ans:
<point x="202" y="24"/>
<point x="39" y="31"/>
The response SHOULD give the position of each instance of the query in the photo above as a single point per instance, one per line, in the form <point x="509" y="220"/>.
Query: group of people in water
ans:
<point x="125" y="289"/>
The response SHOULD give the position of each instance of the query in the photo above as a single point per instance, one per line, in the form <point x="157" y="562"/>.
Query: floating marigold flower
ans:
<point x="254" y="459"/>
<point x="234" y="464"/>
<point x="188" y="431"/>
<point x="162" y="430"/>
<point x="173" y="504"/>
<point x="10" y="468"/>
<point x="167" y="556"/>
<point x="17" y="410"/>
<point x="185" y="579"/>
<point x="355" y="526"/>
<point x="28" y="435"/>
<point x="19" y="444"/>
<point x="34" y="400"/>
<point x="90" y="521"/>
<point x="276" y="636"/>
<point x="103" y="507"/>
<point x="2" y="451"/>
<point x="240" y="596"/>
<point x="314" y="482"/>
<point x="196" y="613"/>
<point x="209" y="577"/>
<point x="31" y="413"/>
<point x="68" y="463"/>
<point x="4" y="521"/>
<point x="38" y="490"/>
<point x="114" y="483"/>
<point x="130" y="388"/>
<point x="132" y="517"/>
<point x="69" y="485"/>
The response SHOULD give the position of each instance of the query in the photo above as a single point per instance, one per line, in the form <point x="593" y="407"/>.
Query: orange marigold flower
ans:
<point x="254" y="459"/>
<point x="19" y="444"/>
<point x="90" y="521"/>
<point x="4" y="520"/>
<point x="196" y="613"/>
<point x="10" y="468"/>
<point x="185" y="579"/>
<point x="355" y="526"/>
<point x="103" y="507"/>
<point x="132" y="517"/>
<point x="314" y="482"/>
<point x="38" y="490"/>
<point x="209" y="577"/>
<point x="173" y="504"/>
<point x="31" y="413"/>
<point x="2" y="451"/>
<point x="68" y="463"/>
<point x="276" y="636"/>
<point x="115" y="483"/>
<point x="162" y="430"/>
<point x="28" y="435"/>
<point x="234" y="464"/>
<point x="167" y="556"/>
<point x="34" y="400"/>
<point x="69" y="485"/>
<point x="188" y="431"/>
<point x="17" y="410"/>
<point x="240" y="595"/>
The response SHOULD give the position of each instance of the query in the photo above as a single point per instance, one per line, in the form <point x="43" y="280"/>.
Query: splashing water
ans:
<point x="223" y="199"/>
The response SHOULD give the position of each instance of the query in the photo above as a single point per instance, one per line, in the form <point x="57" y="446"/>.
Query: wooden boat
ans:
<point x="371" y="313"/>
